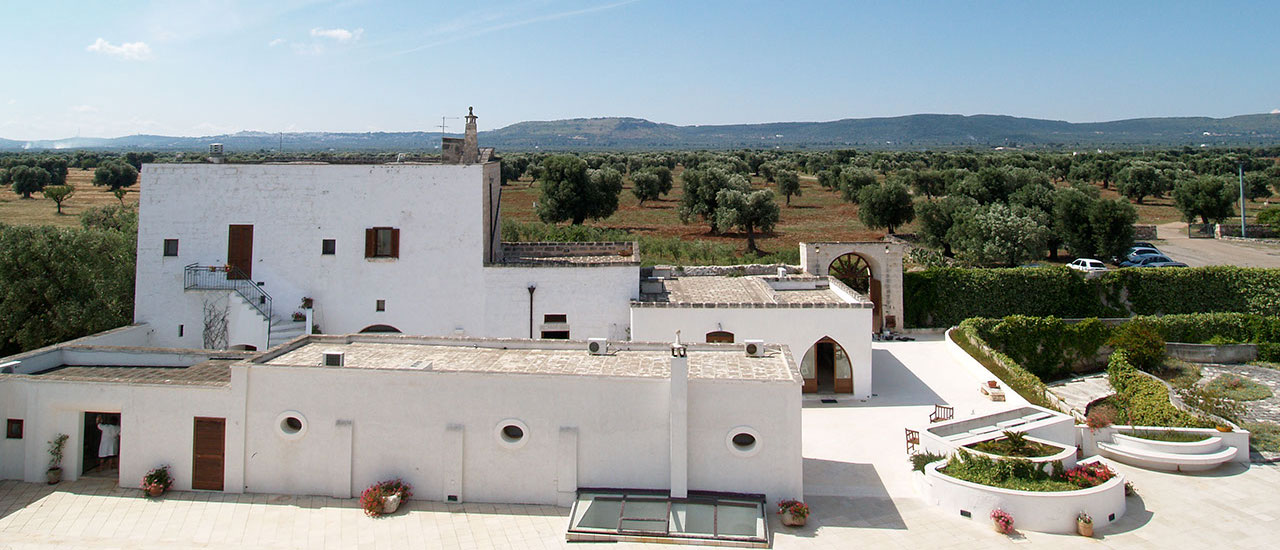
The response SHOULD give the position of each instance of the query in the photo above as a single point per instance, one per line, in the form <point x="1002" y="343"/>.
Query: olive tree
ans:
<point x="115" y="175"/>
<point x="788" y="184"/>
<point x="749" y="211"/>
<point x="1206" y="197"/>
<point x="569" y="192"/>
<point x="702" y="189"/>
<point x="58" y="194"/>
<point x="887" y="206"/>
<point x="27" y="179"/>
<point x="646" y="186"/>
<point x="997" y="234"/>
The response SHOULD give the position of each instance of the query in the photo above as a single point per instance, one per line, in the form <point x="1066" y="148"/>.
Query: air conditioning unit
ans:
<point x="755" y="348"/>
<point x="598" y="346"/>
<point x="333" y="359"/>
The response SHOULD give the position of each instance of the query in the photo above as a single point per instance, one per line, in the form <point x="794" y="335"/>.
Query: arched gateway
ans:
<point x="873" y="268"/>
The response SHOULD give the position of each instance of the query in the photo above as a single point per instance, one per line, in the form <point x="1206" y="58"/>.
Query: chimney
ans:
<point x="679" y="406"/>
<point x="470" y="144"/>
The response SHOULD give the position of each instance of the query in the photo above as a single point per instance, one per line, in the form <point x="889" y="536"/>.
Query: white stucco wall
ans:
<point x="595" y="299"/>
<point x="621" y="426"/>
<point x="798" y="328"/>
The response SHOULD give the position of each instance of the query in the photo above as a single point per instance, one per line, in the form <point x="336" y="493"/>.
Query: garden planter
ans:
<point x="155" y="491"/>
<point x="391" y="503"/>
<point x="1085" y="529"/>
<point x="53" y="475"/>
<point x="791" y="520"/>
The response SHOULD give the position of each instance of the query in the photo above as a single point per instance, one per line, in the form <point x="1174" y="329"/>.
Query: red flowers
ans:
<point x="796" y="508"/>
<point x="1089" y="475"/>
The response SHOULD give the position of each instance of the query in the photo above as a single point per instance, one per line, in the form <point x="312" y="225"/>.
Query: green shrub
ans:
<point x="1142" y="400"/>
<point x="1009" y="473"/>
<point x="945" y="296"/>
<point x="1142" y="344"/>
<point x="920" y="460"/>
<point x="1238" y="388"/>
<point x="1047" y="347"/>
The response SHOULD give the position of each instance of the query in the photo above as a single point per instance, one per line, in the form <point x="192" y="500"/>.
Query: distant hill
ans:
<point x="622" y="133"/>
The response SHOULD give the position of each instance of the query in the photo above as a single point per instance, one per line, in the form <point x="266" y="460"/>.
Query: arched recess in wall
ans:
<point x="243" y="347"/>
<point x="373" y="329"/>
<point x="854" y="270"/>
<point x="719" y="337"/>
<point x="826" y="368"/>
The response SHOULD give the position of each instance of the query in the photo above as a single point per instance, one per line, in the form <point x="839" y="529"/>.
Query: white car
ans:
<point x="1087" y="265"/>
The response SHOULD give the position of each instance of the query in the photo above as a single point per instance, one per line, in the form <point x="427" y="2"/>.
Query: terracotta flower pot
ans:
<point x="1085" y="529"/>
<point x="791" y="520"/>
<point x="391" y="503"/>
<point x="155" y="491"/>
<point x="53" y="475"/>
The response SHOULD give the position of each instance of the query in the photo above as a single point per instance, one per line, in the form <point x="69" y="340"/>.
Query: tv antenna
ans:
<point x="443" y="126"/>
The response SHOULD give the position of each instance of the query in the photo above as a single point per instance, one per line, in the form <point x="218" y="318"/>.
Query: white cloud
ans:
<point x="84" y="109"/>
<point x="276" y="42"/>
<point x="1275" y="111"/>
<point x="134" y="51"/>
<point x="340" y="35"/>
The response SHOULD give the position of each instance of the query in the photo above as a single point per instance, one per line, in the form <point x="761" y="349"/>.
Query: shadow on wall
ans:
<point x="1136" y="515"/>
<point x="896" y="385"/>
<point x="847" y="494"/>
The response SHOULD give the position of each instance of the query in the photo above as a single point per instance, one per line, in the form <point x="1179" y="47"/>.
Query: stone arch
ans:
<point x="827" y="368"/>
<point x="854" y="270"/>
<point x="376" y="329"/>
<point x="882" y="258"/>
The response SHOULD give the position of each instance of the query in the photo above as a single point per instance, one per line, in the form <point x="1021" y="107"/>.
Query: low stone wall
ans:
<point x="1253" y="231"/>
<point x="1211" y="353"/>
<point x="1087" y="438"/>
<point x="728" y="270"/>
<point x="554" y="250"/>
<point x="1144" y="233"/>
<point x="1045" y="512"/>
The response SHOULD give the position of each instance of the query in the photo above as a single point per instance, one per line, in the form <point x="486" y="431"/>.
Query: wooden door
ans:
<point x="208" y="453"/>
<point x="875" y="302"/>
<point x="240" y="250"/>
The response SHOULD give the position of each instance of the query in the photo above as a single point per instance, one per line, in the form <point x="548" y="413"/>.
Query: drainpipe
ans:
<point x="532" y="287"/>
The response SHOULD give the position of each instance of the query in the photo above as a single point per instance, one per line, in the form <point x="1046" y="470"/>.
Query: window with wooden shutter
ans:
<point x="382" y="242"/>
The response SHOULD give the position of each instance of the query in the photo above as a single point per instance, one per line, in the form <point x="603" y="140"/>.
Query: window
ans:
<point x="382" y="242"/>
<point x="328" y="247"/>
<point x="380" y="305"/>
<point x="555" y="318"/>
<point x="743" y="441"/>
<point x="171" y="247"/>
<point x="181" y="330"/>
<point x="14" y="429"/>
<point x="512" y="433"/>
<point x="555" y="335"/>
<point x="719" y="337"/>
<point x="292" y="424"/>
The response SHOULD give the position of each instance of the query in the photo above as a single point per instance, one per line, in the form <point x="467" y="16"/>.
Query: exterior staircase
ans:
<point x="285" y="329"/>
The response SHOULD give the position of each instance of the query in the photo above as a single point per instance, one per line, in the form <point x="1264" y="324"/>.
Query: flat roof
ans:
<point x="751" y="291"/>
<point x="214" y="372"/>
<point x="510" y="356"/>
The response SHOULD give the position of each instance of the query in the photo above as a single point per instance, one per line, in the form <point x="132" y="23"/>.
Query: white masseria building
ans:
<point x="477" y="370"/>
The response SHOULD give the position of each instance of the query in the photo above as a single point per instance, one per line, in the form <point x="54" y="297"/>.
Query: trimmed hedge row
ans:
<point x="1146" y="401"/>
<point x="1028" y="385"/>
<point x="945" y="296"/>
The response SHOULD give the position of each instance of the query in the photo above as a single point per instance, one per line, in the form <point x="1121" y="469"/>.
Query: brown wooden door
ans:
<point x="208" y="453"/>
<point x="240" y="250"/>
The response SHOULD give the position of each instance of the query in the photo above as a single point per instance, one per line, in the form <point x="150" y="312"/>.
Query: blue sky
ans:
<point x="201" y="68"/>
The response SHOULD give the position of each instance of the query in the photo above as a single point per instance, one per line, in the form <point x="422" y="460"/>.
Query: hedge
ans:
<point x="1026" y="384"/>
<point x="1145" y="400"/>
<point x="945" y="296"/>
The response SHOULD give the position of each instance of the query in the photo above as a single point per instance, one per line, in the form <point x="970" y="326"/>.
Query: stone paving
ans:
<point x="1262" y="410"/>
<point x="856" y="478"/>
<point x="1079" y="392"/>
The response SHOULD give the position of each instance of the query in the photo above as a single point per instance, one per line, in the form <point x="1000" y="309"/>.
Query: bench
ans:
<point x="1172" y="462"/>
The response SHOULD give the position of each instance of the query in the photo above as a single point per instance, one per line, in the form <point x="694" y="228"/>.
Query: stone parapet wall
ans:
<point x="1144" y="232"/>
<point x="728" y="270"/>
<point x="555" y="250"/>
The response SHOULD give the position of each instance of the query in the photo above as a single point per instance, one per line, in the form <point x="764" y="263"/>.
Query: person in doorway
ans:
<point x="109" y="447"/>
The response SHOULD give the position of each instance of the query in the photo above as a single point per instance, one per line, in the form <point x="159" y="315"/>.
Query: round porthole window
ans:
<point x="743" y="441"/>
<point x="512" y="433"/>
<point x="292" y="424"/>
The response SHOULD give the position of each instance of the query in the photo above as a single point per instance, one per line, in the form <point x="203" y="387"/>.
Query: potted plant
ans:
<point x="56" y="446"/>
<point x="307" y="302"/>
<point x="299" y="316"/>
<point x="1003" y="521"/>
<point x="1084" y="524"/>
<point x="157" y="481"/>
<point x="385" y="497"/>
<point x="794" y="513"/>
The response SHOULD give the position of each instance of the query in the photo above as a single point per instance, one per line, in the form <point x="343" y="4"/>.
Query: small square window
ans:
<point x="14" y="429"/>
<point x="555" y="318"/>
<point x="171" y="247"/>
<point x="381" y="305"/>
<point x="555" y="335"/>
<point x="328" y="247"/>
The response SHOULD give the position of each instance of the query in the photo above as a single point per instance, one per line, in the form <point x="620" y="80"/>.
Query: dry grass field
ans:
<point x="41" y="211"/>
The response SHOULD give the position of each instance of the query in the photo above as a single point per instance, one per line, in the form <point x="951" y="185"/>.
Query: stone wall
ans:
<point x="1144" y="232"/>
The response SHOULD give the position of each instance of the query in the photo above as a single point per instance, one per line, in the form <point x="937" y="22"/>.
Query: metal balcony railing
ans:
<point x="227" y="277"/>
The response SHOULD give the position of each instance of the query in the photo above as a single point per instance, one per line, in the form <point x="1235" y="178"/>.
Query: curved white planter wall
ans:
<point x="1067" y="455"/>
<point x="1032" y="511"/>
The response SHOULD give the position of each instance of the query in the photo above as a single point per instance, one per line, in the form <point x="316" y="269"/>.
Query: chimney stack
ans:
<point x="679" y="410"/>
<point x="470" y="144"/>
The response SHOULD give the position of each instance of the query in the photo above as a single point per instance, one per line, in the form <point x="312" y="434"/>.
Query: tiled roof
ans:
<point x="752" y="291"/>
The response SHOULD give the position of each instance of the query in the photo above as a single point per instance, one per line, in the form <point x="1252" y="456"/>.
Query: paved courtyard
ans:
<point x="856" y="478"/>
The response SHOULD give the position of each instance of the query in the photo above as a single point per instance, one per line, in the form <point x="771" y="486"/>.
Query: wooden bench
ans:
<point x="942" y="413"/>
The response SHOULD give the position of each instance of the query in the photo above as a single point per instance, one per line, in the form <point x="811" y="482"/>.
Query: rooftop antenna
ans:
<point x="443" y="127"/>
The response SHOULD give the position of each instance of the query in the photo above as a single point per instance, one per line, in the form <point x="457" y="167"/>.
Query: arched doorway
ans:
<point x="853" y="270"/>
<point x="719" y="337"/>
<point x="826" y="368"/>
<point x="374" y="329"/>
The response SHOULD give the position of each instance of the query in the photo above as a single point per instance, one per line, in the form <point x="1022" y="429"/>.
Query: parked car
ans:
<point x="1143" y="244"/>
<point x="1136" y="252"/>
<point x="1087" y="265"/>
<point x="1152" y="260"/>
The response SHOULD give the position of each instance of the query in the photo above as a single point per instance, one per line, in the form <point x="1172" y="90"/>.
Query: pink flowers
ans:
<point x="1003" y="520"/>
<point x="1089" y="475"/>
<point x="796" y="508"/>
